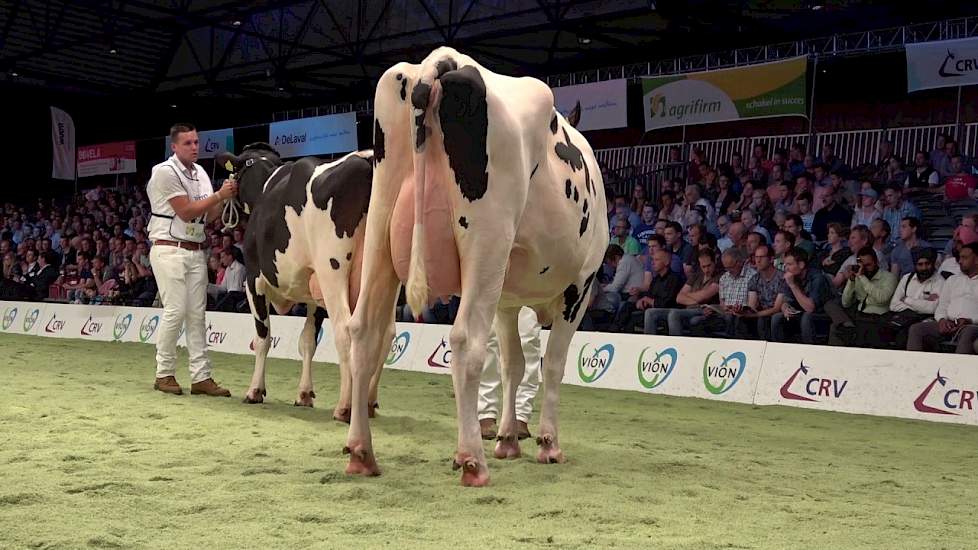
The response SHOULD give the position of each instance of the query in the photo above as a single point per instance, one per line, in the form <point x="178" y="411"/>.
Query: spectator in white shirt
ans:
<point x="956" y="315"/>
<point x="919" y="290"/>
<point x="230" y="291"/>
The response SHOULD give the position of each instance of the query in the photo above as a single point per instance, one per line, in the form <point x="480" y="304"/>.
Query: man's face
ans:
<point x="620" y="203"/>
<point x="671" y="236"/>
<point x="906" y="230"/>
<point x="226" y="241"/>
<point x="819" y="173"/>
<point x="809" y="162"/>
<point x="226" y="259"/>
<point x="45" y="245"/>
<point x="869" y="264"/>
<point x="30" y="256"/>
<point x="723" y="224"/>
<point x="956" y="165"/>
<point x="215" y="240"/>
<point x="730" y="264"/>
<point x="891" y="197"/>
<point x="758" y="152"/>
<point x="757" y="200"/>
<point x="747" y="218"/>
<point x="695" y="234"/>
<point x="185" y="147"/>
<point x="621" y="229"/>
<point x="804" y="206"/>
<point x="968" y="222"/>
<point x="660" y="227"/>
<point x="792" y="227"/>
<point x="98" y="264"/>
<point x="4" y="247"/>
<point x="793" y="266"/>
<point x="920" y="160"/>
<point x="776" y="173"/>
<point x="826" y="152"/>
<point x="967" y="260"/>
<point x="667" y="202"/>
<point x="141" y="248"/>
<point x="856" y="240"/>
<point x="707" y="265"/>
<point x="691" y="196"/>
<point x="648" y="215"/>
<point x="780" y="244"/>
<point x="130" y="247"/>
<point x="924" y="268"/>
<point x="876" y="228"/>
<point x="753" y="241"/>
<point x="762" y="258"/>
<point x="660" y="261"/>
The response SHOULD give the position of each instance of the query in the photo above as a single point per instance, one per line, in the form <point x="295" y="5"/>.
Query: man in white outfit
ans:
<point x="183" y="202"/>
<point x="489" y="388"/>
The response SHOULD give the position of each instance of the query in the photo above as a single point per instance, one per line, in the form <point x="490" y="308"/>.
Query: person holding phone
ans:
<point x="857" y="318"/>
<point x="733" y="292"/>
<point x="804" y="293"/>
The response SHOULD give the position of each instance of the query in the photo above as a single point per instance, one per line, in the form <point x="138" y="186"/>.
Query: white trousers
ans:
<point x="489" y="394"/>
<point x="181" y="276"/>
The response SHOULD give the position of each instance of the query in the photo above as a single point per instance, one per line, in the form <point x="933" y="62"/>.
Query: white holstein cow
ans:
<point x="304" y="244"/>
<point x="482" y="190"/>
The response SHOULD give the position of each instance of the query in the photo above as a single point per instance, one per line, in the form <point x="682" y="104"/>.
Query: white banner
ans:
<point x="603" y="104"/>
<point x="314" y="136"/>
<point x="211" y="142"/>
<point x="942" y="64"/>
<point x="21" y="317"/>
<point x="63" y="145"/>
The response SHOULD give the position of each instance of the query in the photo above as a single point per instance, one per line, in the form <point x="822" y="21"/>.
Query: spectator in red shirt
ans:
<point x="959" y="185"/>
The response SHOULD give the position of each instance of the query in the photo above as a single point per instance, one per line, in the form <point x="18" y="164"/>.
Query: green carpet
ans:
<point x="91" y="457"/>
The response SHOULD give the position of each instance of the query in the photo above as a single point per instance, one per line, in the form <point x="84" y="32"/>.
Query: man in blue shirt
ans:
<point x="645" y="229"/>
<point x="897" y="208"/>
<point x="804" y="292"/>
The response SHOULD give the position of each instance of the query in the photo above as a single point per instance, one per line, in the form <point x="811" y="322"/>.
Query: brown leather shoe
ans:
<point x="168" y="384"/>
<point x="209" y="387"/>
<point x="522" y="430"/>
<point x="488" y="427"/>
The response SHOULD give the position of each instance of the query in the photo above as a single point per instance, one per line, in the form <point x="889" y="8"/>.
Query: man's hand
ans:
<point x="708" y="312"/>
<point x="633" y="291"/>
<point x="853" y="273"/>
<point x="946" y="326"/>
<point x="789" y="278"/>
<point x="933" y="297"/>
<point x="644" y="303"/>
<point x="228" y="190"/>
<point x="786" y="310"/>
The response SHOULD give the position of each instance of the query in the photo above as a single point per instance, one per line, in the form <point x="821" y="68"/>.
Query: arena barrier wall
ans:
<point x="924" y="386"/>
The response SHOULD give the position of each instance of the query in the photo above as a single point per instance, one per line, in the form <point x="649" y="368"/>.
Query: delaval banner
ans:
<point x="211" y="143"/>
<point x="107" y="158"/>
<point x="867" y="381"/>
<point x="941" y="64"/>
<point x="314" y="136"/>
<point x="603" y="104"/>
<point x="62" y="145"/>
<point x="755" y="91"/>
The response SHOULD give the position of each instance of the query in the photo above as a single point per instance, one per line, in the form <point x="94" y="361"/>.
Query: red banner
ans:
<point x="107" y="158"/>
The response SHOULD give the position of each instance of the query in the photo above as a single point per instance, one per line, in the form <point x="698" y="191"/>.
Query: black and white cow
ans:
<point x="304" y="244"/>
<point x="483" y="190"/>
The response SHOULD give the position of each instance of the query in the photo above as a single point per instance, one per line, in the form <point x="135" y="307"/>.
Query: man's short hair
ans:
<point x="762" y="240"/>
<point x="180" y="128"/>
<point x="788" y="236"/>
<point x="669" y="193"/>
<point x="735" y="253"/>
<point x="706" y="253"/>
<point x="895" y="187"/>
<point x="925" y="153"/>
<point x="862" y="230"/>
<point x="805" y="196"/>
<point x="913" y="222"/>
<point x="795" y="218"/>
<point x="659" y="240"/>
<point x="971" y="246"/>
<point x="765" y="246"/>
<point x="614" y="251"/>
<point x="675" y="226"/>
<point x="798" y="254"/>
<point x="867" y="251"/>
<point x="841" y="230"/>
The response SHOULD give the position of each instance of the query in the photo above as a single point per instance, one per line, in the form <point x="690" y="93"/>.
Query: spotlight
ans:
<point x="173" y="105"/>
<point x="583" y="40"/>
<point x="113" y="51"/>
<point x="816" y="7"/>
<point x="14" y="74"/>
<point x="236" y="23"/>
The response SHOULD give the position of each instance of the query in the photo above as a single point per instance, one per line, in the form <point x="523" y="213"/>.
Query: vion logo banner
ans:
<point x="802" y="387"/>
<point x="944" y="398"/>
<point x="398" y="347"/>
<point x="31" y="319"/>
<point x="121" y="326"/>
<point x="593" y="362"/>
<point x="9" y="316"/>
<point x="655" y="367"/>
<point x="722" y="372"/>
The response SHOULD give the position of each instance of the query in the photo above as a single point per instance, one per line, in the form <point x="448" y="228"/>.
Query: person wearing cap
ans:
<point x="868" y="209"/>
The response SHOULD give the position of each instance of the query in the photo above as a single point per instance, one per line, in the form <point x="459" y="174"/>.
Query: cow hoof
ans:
<point x="342" y="415"/>
<point x="306" y="399"/>
<point x="254" y="396"/>
<point x="362" y="461"/>
<point x="550" y="452"/>
<point x="507" y="447"/>
<point x="473" y="473"/>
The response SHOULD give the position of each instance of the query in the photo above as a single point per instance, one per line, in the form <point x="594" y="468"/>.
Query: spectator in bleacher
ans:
<point x="803" y="207"/>
<point x="30" y="265"/>
<point x="857" y="318"/>
<point x="779" y="218"/>
<point x="796" y="160"/>
<point x="784" y="242"/>
<point x="661" y="294"/>
<point x="736" y="167"/>
<point x="821" y="177"/>
<point x="723" y="230"/>
<point x="693" y="197"/>
<point x="895" y="173"/>
<point x="859" y="238"/>
<point x="702" y="288"/>
<point x="945" y="167"/>
<point x="968" y="221"/>
<point x="794" y="225"/>
<point x="673" y="235"/>
<point x="959" y="185"/>
<point x="781" y="197"/>
<point x="725" y="196"/>
<point x="916" y="295"/>
<point x="102" y="282"/>
<point x="623" y="237"/>
<point x="754" y="240"/>
<point x="231" y="291"/>
<point x="831" y="161"/>
<point x="238" y="235"/>
<point x="77" y="279"/>
<point x="734" y="283"/>
<point x="832" y="212"/>
<point x="749" y="218"/>
<point x="902" y="258"/>
<point x="937" y="153"/>
<point x="881" y="232"/>
<point x="657" y="242"/>
<point x="777" y="175"/>
<point x="883" y="162"/>
<point x="55" y="235"/>
<point x="227" y="241"/>
<point x="645" y="229"/>
<point x="670" y="211"/>
<point x="764" y="296"/>
<point x="963" y="235"/>
<point x="215" y="271"/>
<point x="746" y="198"/>
<point x="760" y="155"/>
<point x="696" y="235"/>
<point x="956" y="316"/>
<point x="762" y="207"/>
<point x="804" y="294"/>
<point x="923" y="176"/>
<point x="756" y="171"/>
<point x="896" y="207"/>
<point x="627" y="282"/>
<point x="868" y="210"/>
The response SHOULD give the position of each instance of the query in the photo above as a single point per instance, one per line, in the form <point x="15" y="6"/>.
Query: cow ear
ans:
<point x="229" y="161"/>
<point x="575" y="116"/>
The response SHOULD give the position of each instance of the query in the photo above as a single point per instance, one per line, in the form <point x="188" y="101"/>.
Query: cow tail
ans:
<point x="417" y="283"/>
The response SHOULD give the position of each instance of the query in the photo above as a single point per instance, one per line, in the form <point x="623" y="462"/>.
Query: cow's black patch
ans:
<point x="567" y="188"/>
<point x="347" y="186"/>
<point x="379" y="147"/>
<point x="404" y="84"/>
<point x="267" y="228"/>
<point x="333" y="263"/>
<point x="349" y="255"/>
<point x="534" y="170"/>
<point x="445" y="65"/>
<point x="544" y="270"/>
<point x="399" y="76"/>
<point x="569" y="153"/>
<point x="419" y="99"/>
<point x="463" y="222"/>
<point x="584" y="221"/>
<point x="318" y="317"/>
<point x="585" y="206"/>
<point x="553" y="124"/>
<point x="465" y="121"/>
<point x="573" y="299"/>
<point x="260" y="308"/>
<point x="577" y="196"/>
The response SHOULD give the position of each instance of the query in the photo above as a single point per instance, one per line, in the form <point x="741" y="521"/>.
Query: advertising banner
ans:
<point x="21" y="317"/>
<point x="107" y="158"/>
<point x="62" y="145"/>
<point x="942" y="64"/>
<point x="603" y="104"/>
<point x="211" y="143"/>
<point x="314" y="136"/>
<point x="755" y="91"/>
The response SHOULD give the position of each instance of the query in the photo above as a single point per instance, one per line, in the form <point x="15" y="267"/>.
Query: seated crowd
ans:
<point x="795" y="248"/>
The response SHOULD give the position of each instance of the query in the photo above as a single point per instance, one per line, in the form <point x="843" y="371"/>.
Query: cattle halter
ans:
<point x="230" y="216"/>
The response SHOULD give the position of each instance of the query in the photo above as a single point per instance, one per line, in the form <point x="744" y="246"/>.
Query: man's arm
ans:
<point x="706" y="293"/>
<point x="849" y="294"/>
<point x="685" y="296"/>
<point x="211" y="205"/>
<point x="806" y="303"/>
<point x="880" y="291"/>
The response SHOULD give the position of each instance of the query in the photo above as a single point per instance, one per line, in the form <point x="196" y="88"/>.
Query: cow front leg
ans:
<point x="553" y="373"/>
<point x="307" y="347"/>
<point x="512" y="368"/>
<point x="262" y="342"/>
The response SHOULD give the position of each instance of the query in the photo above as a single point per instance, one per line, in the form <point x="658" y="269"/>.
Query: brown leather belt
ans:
<point x="180" y="244"/>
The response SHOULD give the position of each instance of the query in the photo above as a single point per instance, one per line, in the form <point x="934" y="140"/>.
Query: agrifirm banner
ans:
<point x="62" y="145"/>
<point x="107" y="158"/>
<point x="314" y="136"/>
<point x="603" y="104"/>
<point x="942" y="64"/>
<point x="756" y="91"/>
<point x="866" y="381"/>
<point x="211" y="143"/>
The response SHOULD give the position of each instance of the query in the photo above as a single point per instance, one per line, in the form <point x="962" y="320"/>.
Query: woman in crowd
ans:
<point x="838" y="249"/>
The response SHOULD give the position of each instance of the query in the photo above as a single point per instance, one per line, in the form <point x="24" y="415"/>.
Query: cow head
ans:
<point x="251" y="168"/>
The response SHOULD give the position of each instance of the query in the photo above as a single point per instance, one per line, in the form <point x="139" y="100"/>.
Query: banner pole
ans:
<point x="958" y="134"/>
<point x="811" y="111"/>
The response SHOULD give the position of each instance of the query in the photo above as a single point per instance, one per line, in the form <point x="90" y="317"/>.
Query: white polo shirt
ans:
<point x="172" y="179"/>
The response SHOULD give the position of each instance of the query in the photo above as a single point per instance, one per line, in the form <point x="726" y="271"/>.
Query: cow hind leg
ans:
<point x="307" y="347"/>
<point x="512" y="368"/>
<point x="259" y="309"/>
